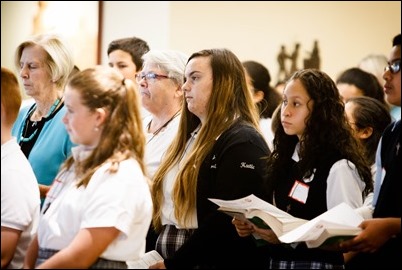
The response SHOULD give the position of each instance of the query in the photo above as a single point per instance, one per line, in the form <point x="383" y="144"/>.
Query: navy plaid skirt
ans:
<point x="46" y="253"/>
<point x="171" y="239"/>
<point x="275" y="264"/>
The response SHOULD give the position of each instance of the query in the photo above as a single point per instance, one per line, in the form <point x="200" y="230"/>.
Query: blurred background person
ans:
<point x="354" y="82"/>
<point x="375" y="64"/>
<point x="379" y="243"/>
<point x="368" y="119"/>
<point x="125" y="55"/>
<point x="266" y="98"/>
<point x="19" y="188"/>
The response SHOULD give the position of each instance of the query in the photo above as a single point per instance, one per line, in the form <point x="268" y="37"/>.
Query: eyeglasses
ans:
<point x="395" y="67"/>
<point x="149" y="77"/>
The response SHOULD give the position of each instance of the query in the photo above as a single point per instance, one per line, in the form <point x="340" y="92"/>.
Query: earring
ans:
<point x="96" y="129"/>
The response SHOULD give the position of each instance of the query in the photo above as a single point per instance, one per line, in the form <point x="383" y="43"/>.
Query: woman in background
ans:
<point x="266" y="98"/>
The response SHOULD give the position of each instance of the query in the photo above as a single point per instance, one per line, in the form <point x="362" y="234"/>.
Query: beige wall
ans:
<point x="346" y="31"/>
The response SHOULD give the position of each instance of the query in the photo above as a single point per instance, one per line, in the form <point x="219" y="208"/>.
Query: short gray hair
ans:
<point x="171" y="61"/>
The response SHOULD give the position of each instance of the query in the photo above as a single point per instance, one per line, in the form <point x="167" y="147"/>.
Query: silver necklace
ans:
<point x="156" y="132"/>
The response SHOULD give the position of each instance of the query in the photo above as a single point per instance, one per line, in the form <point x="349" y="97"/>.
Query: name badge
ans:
<point x="299" y="192"/>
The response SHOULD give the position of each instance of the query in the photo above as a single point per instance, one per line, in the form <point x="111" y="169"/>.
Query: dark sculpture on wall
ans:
<point x="314" y="60"/>
<point x="283" y="72"/>
<point x="293" y="57"/>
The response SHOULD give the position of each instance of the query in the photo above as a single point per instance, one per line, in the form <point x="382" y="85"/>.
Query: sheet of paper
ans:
<point x="251" y="202"/>
<point x="146" y="261"/>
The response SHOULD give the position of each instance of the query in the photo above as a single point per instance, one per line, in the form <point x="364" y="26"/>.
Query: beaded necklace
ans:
<point x="29" y="114"/>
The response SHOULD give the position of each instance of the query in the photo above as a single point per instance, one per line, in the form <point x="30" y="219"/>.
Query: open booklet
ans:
<point x="149" y="258"/>
<point x="339" y="223"/>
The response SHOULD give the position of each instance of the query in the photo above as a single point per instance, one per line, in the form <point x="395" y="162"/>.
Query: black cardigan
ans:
<point x="236" y="167"/>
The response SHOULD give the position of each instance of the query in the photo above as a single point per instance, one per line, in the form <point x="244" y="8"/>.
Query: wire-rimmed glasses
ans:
<point x="149" y="77"/>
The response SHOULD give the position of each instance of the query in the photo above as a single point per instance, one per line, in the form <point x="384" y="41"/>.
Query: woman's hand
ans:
<point x="375" y="232"/>
<point x="243" y="228"/>
<point x="158" y="265"/>
<point x="267" y="234"/>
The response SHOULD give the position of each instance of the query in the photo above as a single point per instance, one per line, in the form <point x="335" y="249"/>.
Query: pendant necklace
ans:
<point x="162" y="127"/>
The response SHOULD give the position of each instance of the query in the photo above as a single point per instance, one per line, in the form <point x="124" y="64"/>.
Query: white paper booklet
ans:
<point x="269" y="216"/>
<point x="339" y="223"/>
<point x="146" y="261"/>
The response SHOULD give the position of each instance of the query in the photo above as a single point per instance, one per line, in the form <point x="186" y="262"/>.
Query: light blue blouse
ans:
<point x="50" y="150"/>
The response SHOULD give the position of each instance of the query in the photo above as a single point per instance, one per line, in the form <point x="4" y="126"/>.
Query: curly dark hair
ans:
<point x="327" y="132"/>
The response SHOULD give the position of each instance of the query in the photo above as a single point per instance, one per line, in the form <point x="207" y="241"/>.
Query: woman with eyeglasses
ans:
<point x="160" y="84"/>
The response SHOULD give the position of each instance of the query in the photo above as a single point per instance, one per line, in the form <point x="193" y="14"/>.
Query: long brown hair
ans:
<point x="230" y="100"/>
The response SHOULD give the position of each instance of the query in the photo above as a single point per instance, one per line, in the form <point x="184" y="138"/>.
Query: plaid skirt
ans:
<point x="46" y="253"/>
<point x="275" y="264"/>
<point x="171" y="239"/>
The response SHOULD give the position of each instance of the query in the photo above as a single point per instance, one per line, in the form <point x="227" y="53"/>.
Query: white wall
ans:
<point x="346" y="31"/>
<point x="146" y="20"/>
<point x="16" y="25"/>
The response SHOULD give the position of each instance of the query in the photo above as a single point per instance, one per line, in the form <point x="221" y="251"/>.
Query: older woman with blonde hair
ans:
<point x="44" y="63"/>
